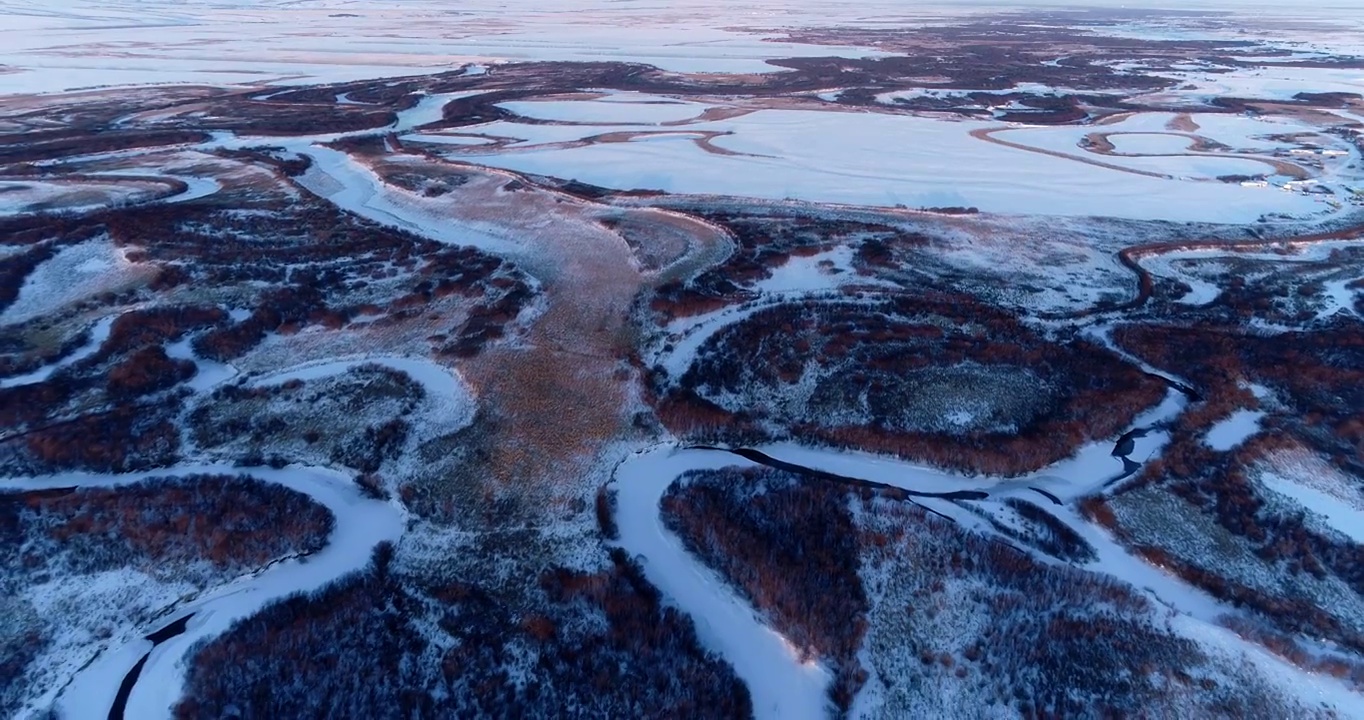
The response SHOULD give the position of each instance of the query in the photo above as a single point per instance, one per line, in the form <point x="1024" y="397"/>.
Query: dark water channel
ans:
<point x="125" y="688"/>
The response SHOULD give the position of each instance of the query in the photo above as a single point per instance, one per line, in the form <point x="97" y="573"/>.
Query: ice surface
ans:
<point x="782" y="686"/>
<point x="1234" y="430"/>
<point x="1337" y="511"/>
<point x="622" y="108"/>
<point x="87" y="43"/>
<point x="874" y="159"/>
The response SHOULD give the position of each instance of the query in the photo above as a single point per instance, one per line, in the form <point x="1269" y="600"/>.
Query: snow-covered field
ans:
<point x="361" y="524"/>
<point x="1309" y="483"/>
<point x="1234" y="430"/>
<point x="88" y="43"/>
<point x="99" y="332"/>
<point x="1150" y="143"/>
<point x="446" y="390"/>
<point x="887" y="160"/>
<point x="623" y="108"/>
<point x="71" y="275"/>
<point x="783" y="687"/>
<point x="1273" y="83"/>
<point x="1242" y="134"/>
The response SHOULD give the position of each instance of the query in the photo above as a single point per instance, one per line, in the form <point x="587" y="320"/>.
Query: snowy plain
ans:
<point x="888" y="160"/>
<point x="89" y="43"/>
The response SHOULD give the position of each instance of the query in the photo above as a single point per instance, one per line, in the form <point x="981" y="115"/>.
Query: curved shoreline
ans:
<point x="361" y="524"/>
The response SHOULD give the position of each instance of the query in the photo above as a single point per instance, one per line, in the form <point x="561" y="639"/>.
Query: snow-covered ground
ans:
<point x="337" y="177"/>
<point x="623" y="108"/>
<point x="33" y="195"/>
<point x="1192" y="267"/>
<point x="812" y="273"/>
<point x="1311" y="483"/>
<point x="98" y="334"/>
<point x="74" y="273"/>
<point x="1150" y="143"/>
<point x="1234" y="430"/>
<point x="1067" y="139"/>
<point x="1336" y="509"/>
<point x="361" y="523"/>
<point x="1081" y="474"/>
<point x="960" y="93"/>
<point x="53" y="46"/>
<point x="428" y="110"/>
<point x="208" y="373"/>
<point x="885" y="160"/>
<point x="1270" y="83"/>
<point x="528" y="134"/>
<point x="452" y="397"/>
<point x="782" y="686"/>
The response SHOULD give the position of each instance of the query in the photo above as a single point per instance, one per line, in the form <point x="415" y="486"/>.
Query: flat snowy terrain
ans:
<point x="873" y="159"/>
<point x="64" y="44"/>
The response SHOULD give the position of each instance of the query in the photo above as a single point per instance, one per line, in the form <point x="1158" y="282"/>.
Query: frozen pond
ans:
<point x="1150" y="143"/>
<point x="887" y="160"/>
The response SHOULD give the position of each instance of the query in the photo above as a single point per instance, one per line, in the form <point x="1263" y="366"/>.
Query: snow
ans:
<point x="98" y="334"/>
<point x="620" y="108"/>
<point x="961" y="418"/>
<point x="208" y="373"/>
<point x="18" y="197"/>
<point x="196" y="186"/>
<point x="442" y="139"/>
<point x="698" y="332"/>
<point x="823" y="271"/>
<point x="444" y="385"/>
<point x="87" y="43"/>
<point x="361" y="523"/>
<point x="71" y="275"/>
<point x="1086" y="471"/>
<point x="1336" y="509"/>
<point x="1340" y="298"/>
<point x="1150" y="143"/>
<point x="1271" y="83"/>
<point x="428" y="110"/>
<point x="1243" y="132"/>
<point x="1067" y="139"/>
<point x="1337" y="296"/>
<point x="782" y="687"/>
<point x="337" y="177"/>
<point x="877" y="159"/>
<point x="1316" y="690"/>
<point x="960" y="94"/>
<point x="1314" y="483"/>
<point x="82" y="610"/>
<point x="1234" y="430"/>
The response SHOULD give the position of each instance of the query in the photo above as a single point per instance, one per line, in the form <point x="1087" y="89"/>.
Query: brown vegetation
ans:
<point x="235" y="523"/>
<point x="1061" y="395"/>
<point x="602" y="645"/>
<point x="790" y="547"/>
